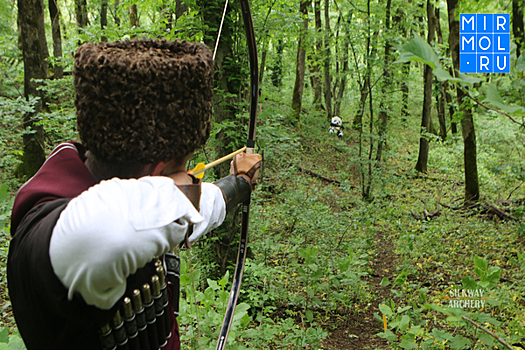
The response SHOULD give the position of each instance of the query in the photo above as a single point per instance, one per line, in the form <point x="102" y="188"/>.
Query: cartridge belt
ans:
<point x="143" y="322"/>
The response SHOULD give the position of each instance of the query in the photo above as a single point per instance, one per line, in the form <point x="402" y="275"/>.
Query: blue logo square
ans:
<point x="485" y="63"/>
<point x="467" y="63"/>
<point x="467" y="23"/>
<point x="502" y="23"/>
<point x="484" y="43"/>
<point x="467" y="43"/>
<point x="484" y="23"/>
<point x="501" y="63"/>
<point x="501" y="43"/>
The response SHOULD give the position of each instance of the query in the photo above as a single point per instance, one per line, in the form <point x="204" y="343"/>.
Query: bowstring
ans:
<point x="220" y="29"/>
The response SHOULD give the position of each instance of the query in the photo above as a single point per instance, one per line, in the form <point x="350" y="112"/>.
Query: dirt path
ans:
<point x="358" y="330"/>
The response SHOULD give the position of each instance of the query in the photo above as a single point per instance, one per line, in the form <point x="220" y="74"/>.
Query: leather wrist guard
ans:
<point x="234" y="189"/>
<point x="193" y="191"/>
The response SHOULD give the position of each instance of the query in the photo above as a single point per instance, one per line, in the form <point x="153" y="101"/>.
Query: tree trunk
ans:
<point x="517" y="25"/>
<point x="387" y="81"/>
<point x="103" y="18"/>
<point x="133" y="16"/>
<point x="81" y="13"/>
<point x="327" y="60"/>
<point x="441" y="97"/>
<point x="57" y="39"/>
<point x="465" y="109"/>
<point x="314" y="65"/>
<point x="277" y="69"/>
<point x="399" y="20"/>
<point x="358" y="118"/>
<point x="117" y="9"/>
<point x="180" y="9"/>
<point x="297" y="98"/>
<point x="34" y="50"/>
<point x="421" y="165"/>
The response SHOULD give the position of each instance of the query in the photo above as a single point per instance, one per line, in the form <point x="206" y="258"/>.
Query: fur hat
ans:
<point x="143" y="101"/>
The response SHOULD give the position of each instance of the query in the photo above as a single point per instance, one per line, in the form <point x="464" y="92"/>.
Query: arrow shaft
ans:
<point x="217" y="162"/>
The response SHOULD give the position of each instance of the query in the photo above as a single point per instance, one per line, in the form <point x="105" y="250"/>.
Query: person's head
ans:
<point x="141" y="103"/>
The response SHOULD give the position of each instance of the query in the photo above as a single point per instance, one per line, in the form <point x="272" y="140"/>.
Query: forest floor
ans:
<point x="360" y="331"/>
<point x="335" y="263"/>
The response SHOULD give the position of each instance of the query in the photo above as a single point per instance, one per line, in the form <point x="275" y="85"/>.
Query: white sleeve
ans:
<point x="116" y="227"/>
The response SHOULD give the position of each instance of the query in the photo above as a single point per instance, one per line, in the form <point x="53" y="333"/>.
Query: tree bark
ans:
<point x="327" y="61"/>
<point x="314" y="65"/>
<point x="81" y="13"/>
<point x="465" y="110"/>
<point x="441" y="97"/>
<point x="422" y="160"/>
<point x="117" y="9"/>
<point x="399" y="20"/>
<point x="387" y="81"/>
<point x="57" y="38"/>
<point x="103" y="18"/>
<point x="517" y="25"/>
<point x="34" y="50"/>
<point x="297" y="98"/>
<point x="133" y="16"/>
<point x="180" y="8"/>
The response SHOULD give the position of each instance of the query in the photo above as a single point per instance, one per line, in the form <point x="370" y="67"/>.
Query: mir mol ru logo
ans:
<point x="484" y="43"/>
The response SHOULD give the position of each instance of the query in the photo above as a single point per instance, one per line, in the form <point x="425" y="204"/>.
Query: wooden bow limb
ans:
<point x="197" y="171"/>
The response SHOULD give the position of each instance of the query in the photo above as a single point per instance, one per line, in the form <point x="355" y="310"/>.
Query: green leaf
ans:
<point x="469" y="283"/>
<point x="485" y="338"/>
<point x="460" y="342"/>
<point x="4" y="335"/>
<point x="385" y="310"/>
<point x="493" y="276"/>
<point x="309" y="315"/>
<point x="441" y="336"/>
<point x="401" y="279"/>
<point x="418" y="50"/>
<point x="388" y="335"/>
<point x="3" y="192"/>
<point x="384" y="282"/>
<point x="480" y="265"/>
<point x="403" y="324"/>
<point x="408" y="342"/>
<point x="520" y="64"/>
<point x="494" y="99"/>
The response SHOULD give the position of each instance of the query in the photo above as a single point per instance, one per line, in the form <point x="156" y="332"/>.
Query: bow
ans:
<point x="250" y="144"/>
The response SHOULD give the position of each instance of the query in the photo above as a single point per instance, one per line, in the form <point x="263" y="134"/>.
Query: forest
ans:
<point x="404" y="231"/>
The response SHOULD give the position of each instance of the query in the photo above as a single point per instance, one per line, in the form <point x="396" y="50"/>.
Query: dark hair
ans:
<point x="145" y="101"/>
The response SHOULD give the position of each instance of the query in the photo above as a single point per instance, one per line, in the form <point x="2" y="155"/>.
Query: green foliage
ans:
<point x="10" y="342"/>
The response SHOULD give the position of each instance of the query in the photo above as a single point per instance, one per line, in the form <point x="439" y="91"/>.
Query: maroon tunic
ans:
<point x="45" y="317"/>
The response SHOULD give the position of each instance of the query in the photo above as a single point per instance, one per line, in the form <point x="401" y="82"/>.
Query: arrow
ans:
<point x="200" y="168"/>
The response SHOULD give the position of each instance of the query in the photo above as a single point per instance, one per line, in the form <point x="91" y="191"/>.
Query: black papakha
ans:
<point x="143" y="101"/>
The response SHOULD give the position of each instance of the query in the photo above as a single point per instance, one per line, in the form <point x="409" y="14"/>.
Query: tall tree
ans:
<point x="387" y="80"/>
<point x="465" y="111"/>
<point x="103" y="17"/>
<point x="315" y="75"/>
<point x="517" y="25"/>
<point x="441" y="97"/>
<point x="422" y="159"/>
<point x="327" y="61"/>
<point x="34" y="51"/>
<point x="81" y="13"/>
<point x="297" y="98"/>
<point x="343" y="74"/>
<point x="54" y="13"/>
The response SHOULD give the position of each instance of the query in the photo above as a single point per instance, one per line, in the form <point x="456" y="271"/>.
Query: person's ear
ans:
<point x="158" y="168"/>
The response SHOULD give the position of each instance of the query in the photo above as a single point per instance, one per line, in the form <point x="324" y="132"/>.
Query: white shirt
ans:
<point x="116" y="227"/>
